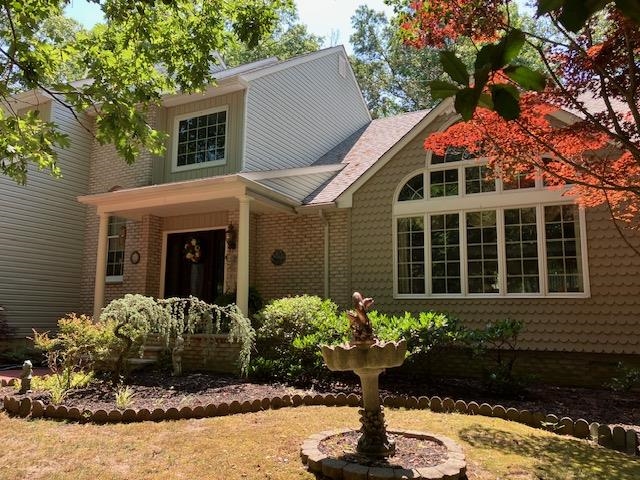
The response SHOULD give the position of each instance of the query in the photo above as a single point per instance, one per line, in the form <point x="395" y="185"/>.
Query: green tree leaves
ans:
<point x="144" y="50"/>
<point x="490" y="58"/>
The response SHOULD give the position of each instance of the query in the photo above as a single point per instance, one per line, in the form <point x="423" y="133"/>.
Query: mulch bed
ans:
<point x="158" y="389"/>
<point x="410" y="452"/>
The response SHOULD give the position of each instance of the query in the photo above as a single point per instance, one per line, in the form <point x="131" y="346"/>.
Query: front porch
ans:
<point x="215" y="212"/>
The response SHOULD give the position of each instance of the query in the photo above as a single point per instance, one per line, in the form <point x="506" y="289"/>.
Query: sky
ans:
<point x="330" y="19"/>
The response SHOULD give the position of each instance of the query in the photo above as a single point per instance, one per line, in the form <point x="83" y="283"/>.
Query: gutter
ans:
<point x="325" y="222"/>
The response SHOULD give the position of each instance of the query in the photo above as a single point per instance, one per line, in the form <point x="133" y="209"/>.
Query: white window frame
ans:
<point x="174" y="147"/>
<point x="115" y="278"/>
<point x="538" y="197"/>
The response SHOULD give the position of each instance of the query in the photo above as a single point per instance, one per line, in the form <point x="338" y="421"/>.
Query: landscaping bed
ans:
<point x="158" y="389"/>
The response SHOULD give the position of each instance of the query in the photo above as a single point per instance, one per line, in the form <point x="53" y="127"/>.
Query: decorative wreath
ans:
<point x="192" y="251"/>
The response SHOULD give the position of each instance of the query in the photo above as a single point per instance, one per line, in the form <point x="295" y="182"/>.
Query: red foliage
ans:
<point x="595" y="78"/>
<point x="435" y="22"/>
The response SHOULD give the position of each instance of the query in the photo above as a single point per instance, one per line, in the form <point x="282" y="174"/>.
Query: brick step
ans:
<point x="138" y="363"/>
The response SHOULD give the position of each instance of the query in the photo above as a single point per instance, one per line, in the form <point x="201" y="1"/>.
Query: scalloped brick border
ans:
<point x="616" y="438"/>
<point x="453" y="468"/>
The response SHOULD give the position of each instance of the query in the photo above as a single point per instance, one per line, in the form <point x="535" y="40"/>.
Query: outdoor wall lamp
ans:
<point x="230" y="237"/>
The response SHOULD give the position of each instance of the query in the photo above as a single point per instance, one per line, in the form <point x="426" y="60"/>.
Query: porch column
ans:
<point x="101" y="266"/>
<point x="242" y="285"/>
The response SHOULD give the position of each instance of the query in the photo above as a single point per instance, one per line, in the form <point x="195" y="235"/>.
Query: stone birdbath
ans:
<point x="368" y="357"/>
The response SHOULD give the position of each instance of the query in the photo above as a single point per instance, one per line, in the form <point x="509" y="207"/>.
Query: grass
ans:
<point x="266" y="445"/>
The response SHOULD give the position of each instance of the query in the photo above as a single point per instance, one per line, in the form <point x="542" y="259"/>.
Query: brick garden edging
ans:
<point x="453" y="468"/>
<point x="616" y="438"/>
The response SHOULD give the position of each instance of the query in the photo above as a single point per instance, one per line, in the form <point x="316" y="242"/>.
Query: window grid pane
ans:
<point x="520" y="181"/>
<point x="443" y="183"/>
<point x="445" y="254"/>
<point x="413" y="189"/>
<point x="478" y="180"/>
<point x="482" y="252"/>
<point x="202" y="139"/>
<point x="521" y="246"/>
<point x="115" y="246"/>
<point x="411" y="268"/>
<point x="564" y="259"/>
<point x="452" y="154"/>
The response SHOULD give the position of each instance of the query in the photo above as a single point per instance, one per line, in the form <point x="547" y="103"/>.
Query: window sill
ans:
<point x="197" y="166"/>
<point x="114" y="280"/>
<point x="492" y="297"/>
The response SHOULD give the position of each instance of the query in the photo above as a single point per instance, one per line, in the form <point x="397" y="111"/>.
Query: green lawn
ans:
<point x="266" y="445"/>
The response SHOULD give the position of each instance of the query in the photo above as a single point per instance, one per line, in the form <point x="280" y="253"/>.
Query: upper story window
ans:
<point x="116" y="235"/>
<point x="201" y="140"/>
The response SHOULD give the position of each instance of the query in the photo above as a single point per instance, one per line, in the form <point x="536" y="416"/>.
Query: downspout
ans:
<point x="325" y="223"/>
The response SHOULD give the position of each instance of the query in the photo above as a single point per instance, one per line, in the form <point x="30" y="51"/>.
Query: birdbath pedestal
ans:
<point x="368" y="360"/>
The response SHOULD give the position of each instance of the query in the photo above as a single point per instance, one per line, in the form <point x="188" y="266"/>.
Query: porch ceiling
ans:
<point x="189" y="197"/>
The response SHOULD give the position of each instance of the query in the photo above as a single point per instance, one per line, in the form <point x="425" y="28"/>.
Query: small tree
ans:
<point x="133" y="318"/>
<point x="589" y="59"/>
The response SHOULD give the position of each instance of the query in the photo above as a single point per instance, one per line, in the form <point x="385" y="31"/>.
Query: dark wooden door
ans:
<point x="203" y="279"/>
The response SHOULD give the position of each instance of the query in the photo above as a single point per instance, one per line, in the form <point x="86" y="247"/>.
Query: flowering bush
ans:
<point x="192" y="251"/>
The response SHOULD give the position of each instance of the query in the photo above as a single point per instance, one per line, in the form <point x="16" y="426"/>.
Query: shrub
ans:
<point x="79" y="345"/>
<point x="625" y="379"/>
<point x="191" y="315"/>
<point x="255" y="300"/>
<point x="59" y="384"/>
<point x="5" y="330"/>
<point x="124" y="397"/>
<point x="133" y="317"/>
<point x="498" y="342"/>
<point x="290" y="333"/>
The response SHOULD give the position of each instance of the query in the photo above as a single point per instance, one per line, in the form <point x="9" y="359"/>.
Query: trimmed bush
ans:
<point x="290" y="332"/>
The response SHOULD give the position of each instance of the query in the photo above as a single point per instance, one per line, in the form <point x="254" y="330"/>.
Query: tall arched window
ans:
<point x="459" y="232"/>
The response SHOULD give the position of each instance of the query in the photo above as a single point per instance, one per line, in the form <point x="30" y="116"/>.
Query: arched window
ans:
<point x="478" y="236"/>
<point x="413" y="189"/>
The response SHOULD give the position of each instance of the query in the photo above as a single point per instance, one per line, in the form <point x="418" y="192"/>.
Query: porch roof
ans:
<point x="190" y="197"/>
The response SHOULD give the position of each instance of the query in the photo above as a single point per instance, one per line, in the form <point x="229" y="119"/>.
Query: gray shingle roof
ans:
<point x="360" y="151"/>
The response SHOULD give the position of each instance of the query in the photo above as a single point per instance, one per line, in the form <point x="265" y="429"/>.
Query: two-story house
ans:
<point x="277" y="178"/>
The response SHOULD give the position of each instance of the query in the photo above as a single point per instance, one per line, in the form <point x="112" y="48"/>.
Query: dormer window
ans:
<point x="201" y="140"/>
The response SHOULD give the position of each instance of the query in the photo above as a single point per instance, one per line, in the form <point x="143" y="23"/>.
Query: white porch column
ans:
<point x="101" y="266"/>
<point x="242" y="286"/>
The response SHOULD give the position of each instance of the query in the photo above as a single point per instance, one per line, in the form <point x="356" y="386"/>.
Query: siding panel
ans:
<point x="235" y="119"/>
<point x="296" y="115"/>
<point x="607" y="322"/>
<point x="42" y="234"/>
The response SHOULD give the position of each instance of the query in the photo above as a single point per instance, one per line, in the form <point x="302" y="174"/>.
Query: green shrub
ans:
<point x="58" y="384"/>
<point x="498" y="343"/>
<point x="625" y="379"/>
<point x="79" y="345"/>
<point x="290" y="333"/>
<point x="6" y="331"/>
<point x="292" y="330"/>
<point x="133" y="317"/>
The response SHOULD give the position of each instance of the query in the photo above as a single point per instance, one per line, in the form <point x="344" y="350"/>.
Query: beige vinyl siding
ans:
<point x="42" y="234"/>
<point x="606" y="322"/>
<point x="162" y="170"/>
<point x="296" y="115"/>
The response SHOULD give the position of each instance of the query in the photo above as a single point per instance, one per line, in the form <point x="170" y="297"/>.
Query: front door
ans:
<point x="195" y="264"/>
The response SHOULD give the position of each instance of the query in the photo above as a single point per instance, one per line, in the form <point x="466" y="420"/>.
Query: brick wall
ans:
<point x="206" y="353"/>
<point x="301" y="238"/>
<point x="109" y="170"/>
